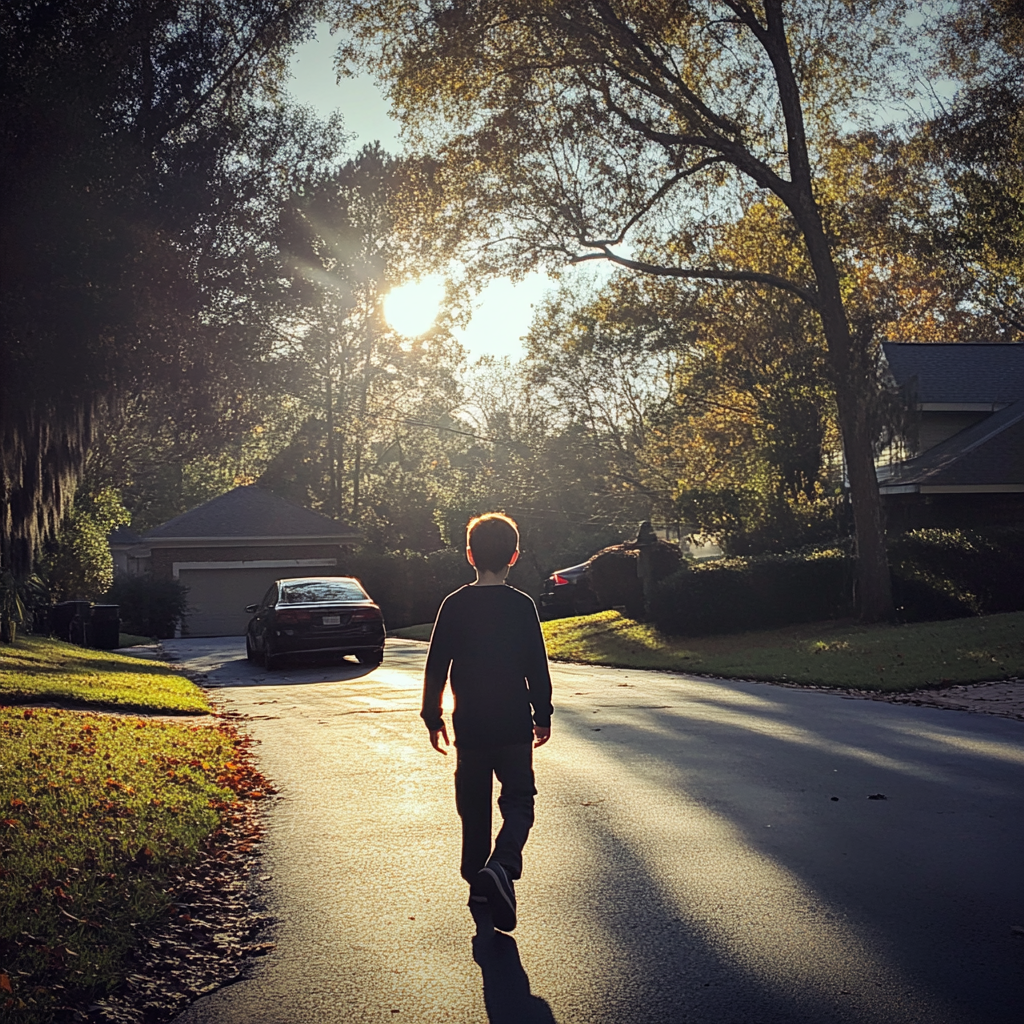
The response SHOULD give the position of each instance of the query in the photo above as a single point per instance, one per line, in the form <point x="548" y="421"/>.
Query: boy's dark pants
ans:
<point x="513" y="765"/>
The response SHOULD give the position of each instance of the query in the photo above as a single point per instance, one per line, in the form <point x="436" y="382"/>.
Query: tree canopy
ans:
<point x="631" y="132"/>
<point x="142" y="154"/>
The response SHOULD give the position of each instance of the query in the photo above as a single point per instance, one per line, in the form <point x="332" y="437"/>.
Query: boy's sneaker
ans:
<point x="493" y="880"/>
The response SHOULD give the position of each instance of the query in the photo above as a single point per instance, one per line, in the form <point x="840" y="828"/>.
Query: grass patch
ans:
<point x="97" y="815"/>
<point x="131" y="640"/>
<point x="419" y="632"/>
<point x="41" y="669"/>
<point x="884" y="658"/>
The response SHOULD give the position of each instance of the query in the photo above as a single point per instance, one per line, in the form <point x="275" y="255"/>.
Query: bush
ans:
<point x="936" y="574"/>
<point x="149" y="606"/>
<point x="754" y="593"/>
<point x="614" y="580"/>
<point x="614" y="576"/>
<point x="77" y="565"/>
<point x="944" y="574"/>
<point x="409" y="587"/>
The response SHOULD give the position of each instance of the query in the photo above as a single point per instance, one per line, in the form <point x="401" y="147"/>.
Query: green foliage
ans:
<point x="734" y="594"/>
<point x="100" y="816"/>
<point x="940" y="574"/>
<point x="980" y="138"/>
<point x="749" y="519"/>
<point x="409" y="587"/>
<point x="937" y="574"/>
<point x="143" y="173"/>
<point x="614" y="579"/>
<point x="149" y="606"/>
<point x="79" y="564"/>
<point x="883" y="658"/>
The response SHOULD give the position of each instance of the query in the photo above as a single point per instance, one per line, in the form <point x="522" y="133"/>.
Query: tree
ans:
<point x="78" y="564"/>
<point x="980" y="141"/>
<point x="355" y="378"/>
<point x="566" y="129"/>
<point x="133" y="134"/>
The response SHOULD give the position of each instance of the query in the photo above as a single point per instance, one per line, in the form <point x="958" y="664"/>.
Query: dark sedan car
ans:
<point x="568" y="592"/>
<point x="315" y="615"/>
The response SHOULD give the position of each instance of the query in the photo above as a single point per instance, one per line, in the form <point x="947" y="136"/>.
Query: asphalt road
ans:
<point x="690" y="861"/>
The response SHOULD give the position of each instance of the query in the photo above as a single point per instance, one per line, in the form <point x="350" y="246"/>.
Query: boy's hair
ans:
<point x="493" y="538"/>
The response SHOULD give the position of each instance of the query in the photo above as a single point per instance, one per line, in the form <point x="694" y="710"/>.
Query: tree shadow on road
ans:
<point x="507" y="995"/>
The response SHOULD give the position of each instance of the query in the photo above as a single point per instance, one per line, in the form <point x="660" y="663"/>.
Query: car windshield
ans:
<point x="321" y="592"/>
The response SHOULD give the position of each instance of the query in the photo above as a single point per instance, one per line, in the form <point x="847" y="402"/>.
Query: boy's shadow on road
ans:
<point x="507" y="994"/>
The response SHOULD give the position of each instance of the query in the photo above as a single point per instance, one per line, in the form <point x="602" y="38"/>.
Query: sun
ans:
<point x="412" y="308"/>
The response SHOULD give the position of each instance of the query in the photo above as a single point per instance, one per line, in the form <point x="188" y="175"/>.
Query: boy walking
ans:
<point x="487" y="640"/>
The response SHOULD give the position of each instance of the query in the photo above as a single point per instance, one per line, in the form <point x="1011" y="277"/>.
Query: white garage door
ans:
<point x="217" y="597"/>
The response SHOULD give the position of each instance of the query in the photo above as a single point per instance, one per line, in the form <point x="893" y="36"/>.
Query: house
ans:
<point x="229" y="550"/>
<point x="966" y="461"/>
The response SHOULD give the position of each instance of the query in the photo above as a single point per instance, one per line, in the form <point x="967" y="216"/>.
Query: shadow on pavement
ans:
<point x="507" y="995"/>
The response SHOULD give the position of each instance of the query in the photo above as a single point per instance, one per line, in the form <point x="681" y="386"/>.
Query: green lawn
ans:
<point x="98" y="815"/>
<point x="131" y="640"/>
<point x="40" y="669"/>
<point x="885" y="658"/>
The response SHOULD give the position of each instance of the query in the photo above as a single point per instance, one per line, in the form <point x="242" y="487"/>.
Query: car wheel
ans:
<point x="371" y="657"/>
<point x="250" y="654"/>
<point x="270" y="659"/>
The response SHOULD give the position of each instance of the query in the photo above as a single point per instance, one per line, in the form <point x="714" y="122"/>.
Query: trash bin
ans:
<point x="105" y="626"/>
<point x="70" y="621"/>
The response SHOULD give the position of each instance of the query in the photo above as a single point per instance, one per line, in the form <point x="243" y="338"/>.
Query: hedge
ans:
<point x="936" y="574"/>
<point x="734" y="594"/>
<point x="409" y="587"/>
<point x="149" y="605"/>
<point x="941" y="574"/>
<point x="614" y="573"/>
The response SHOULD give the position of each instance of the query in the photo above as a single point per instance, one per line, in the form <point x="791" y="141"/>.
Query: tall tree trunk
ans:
<point x="853" y="383"/>
<point x="851" y="377"/>
<point x="332" y="458"/>
<point x="357" y="467"/>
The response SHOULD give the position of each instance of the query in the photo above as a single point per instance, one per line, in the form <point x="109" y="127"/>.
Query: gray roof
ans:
<point x="989" y="453"/>
<point x="250" y="512"/>
<point x="958" y="374"/>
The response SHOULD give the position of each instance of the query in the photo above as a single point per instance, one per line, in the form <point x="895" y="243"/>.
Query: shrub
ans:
<point x="936" y="574"/>
<point x="614" y="580"/>
<point x="409" y="587"/>
<point x="951" y="573"/>
<point x="754" y="593"/>
<point x="78" y="564"/>
<point x="149" y="606"/>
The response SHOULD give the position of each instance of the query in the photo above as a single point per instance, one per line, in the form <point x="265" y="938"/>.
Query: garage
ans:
<point x="229" y="550"/>
<point x="218" y="594"/>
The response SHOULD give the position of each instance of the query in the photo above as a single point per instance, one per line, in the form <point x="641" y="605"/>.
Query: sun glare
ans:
<point x="411" y="308"/>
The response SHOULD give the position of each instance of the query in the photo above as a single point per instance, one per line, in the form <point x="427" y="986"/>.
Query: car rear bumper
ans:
<point x="348" y="642"/>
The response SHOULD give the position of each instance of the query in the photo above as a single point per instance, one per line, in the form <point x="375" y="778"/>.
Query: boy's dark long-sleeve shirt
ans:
<point x="490" y="639"/>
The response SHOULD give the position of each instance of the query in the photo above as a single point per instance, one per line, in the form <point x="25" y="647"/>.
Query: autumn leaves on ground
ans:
<point x="113" y="828"/>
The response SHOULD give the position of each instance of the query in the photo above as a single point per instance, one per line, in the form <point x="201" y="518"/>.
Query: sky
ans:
<point x="503" y="310"/>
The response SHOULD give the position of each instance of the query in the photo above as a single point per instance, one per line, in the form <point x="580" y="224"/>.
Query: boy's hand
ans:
<point x="541" y="734"/>
<point x="435" y="739"/>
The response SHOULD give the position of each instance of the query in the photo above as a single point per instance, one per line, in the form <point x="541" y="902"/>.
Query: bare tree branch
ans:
<point x="693" y="274"/>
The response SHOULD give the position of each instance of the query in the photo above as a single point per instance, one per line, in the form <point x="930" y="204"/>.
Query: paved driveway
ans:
<point x="705" y="852"/>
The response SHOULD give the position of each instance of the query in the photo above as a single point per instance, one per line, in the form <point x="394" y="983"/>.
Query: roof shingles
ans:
<point x="991" y="375"/>
<point x="250" y="512"/>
